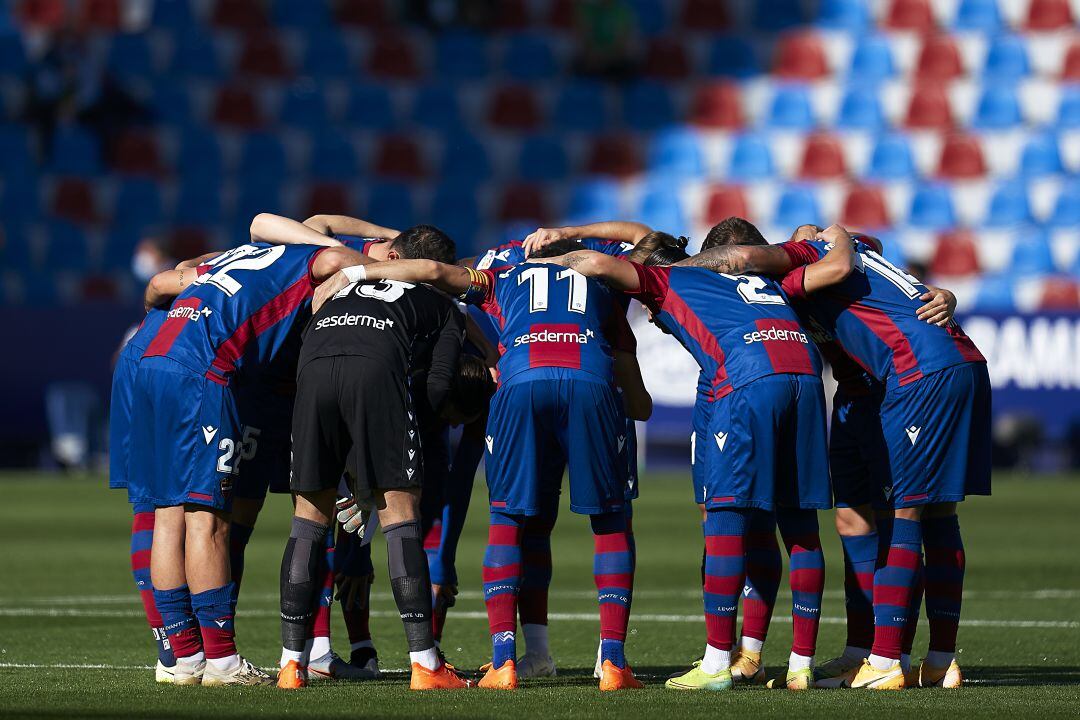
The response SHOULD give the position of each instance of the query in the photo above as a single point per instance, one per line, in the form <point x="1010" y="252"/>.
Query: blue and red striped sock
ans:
<point x="142" y="539"/>
<point x="320" y="623"/>
<point x="860" y="558"/>
<point x="613" y="571"/>
<point x="214" y="611"/>
<point x="239" y="535"/>
<point x="180" y="624"/>
<point x="725" y="571"/>
<point x="502" y="582"/>
<point x="894" y="587"/>
<point x="763" y="568"/>
<point x="912" y="625"/>
<point x="945" y="563"/>
<point x="799" y="529"/>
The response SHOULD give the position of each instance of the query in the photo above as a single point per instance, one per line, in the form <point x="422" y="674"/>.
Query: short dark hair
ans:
<point x="557" y="248"/>
<point x="733" y="231"/>
<point x="471" y="390"/>
<point x="425" y="242"/>
<point x="659" y="248"/>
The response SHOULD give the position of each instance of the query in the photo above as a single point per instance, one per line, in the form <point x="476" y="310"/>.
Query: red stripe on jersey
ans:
<point x="787" y="356"/>
<point x="274" y="311"/>
<point x="172" y="327"/>
<point x="964" y="345"/>
<point x="881" y="325"/>
<point x="490" y="305"/>
<point x="678" y="309"/>
<point x="546" y="350"/>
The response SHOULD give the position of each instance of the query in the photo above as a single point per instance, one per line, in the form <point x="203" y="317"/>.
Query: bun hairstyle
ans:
<point x="660" y="248"/>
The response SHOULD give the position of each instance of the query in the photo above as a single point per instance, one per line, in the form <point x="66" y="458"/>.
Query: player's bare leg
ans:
<point x="172" y="596"/>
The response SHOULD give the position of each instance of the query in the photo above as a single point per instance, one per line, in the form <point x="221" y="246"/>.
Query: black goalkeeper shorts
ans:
<point x="354" y="415"/>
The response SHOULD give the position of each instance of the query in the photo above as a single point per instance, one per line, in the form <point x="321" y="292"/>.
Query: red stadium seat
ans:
<point x="43" y="14"/>
<point x="800" y="56"/>
<point x="928" y="108"/>
<point x="523" y="202"/>
<point x="561" y="14"/>
<point x="718" y="105"/>
<point x="514" y="107"/>
<point x="392" y="56"/>
<point x="1049" y="15"/>
<point x="511" y="15"/>
<point x="666" y="59"/>
<point x="73" y="199"/>
<point x="238" y="14"/>
<point x="961" y="158"/>
<point x="100" y="14"/>
<point x="188" y="242"/>
<point x="614" y="155"/>
<point x="98" y="287"/>
<point x="136" y="153"/>
<point x="398" y="157"/>
<point x="236" y="107"/>
<point x="1070" y="69"/>
<point x="726" y="201"/>
<point x="910" y="15"/>
<point x="823" y="158"/>
<point x="262" y="56"/>
<point x="710" y="15"/>
<point x="365" y="13"/>
<point x="1059" y="294"/>
<point x="865" y="208"/>
<point x="939" y="59"/>
<point x="328" y="198"/>
<point x="955" y="255"/>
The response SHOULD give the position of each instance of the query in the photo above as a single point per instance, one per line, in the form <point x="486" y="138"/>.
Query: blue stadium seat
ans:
<point x="751" y="158"/>
<point x="1032" y="254"/>
<point x="733" y="56"/>
<point x="119" y="247"/>
<point x="850" y="15"/>
<point x="173" y="14"/>
<point x="461" y="55"/>
<point x="860" y="109"/>
<point x="262" y="155"/>
<point x="392" y="204"/>
<point x="872" y="60"/>
<point x="137" y="204"/>
<point x="593" y="201"/>
<point x="454" y="210"/>
<point x="647" y="106"/>
<point x="778" y="15"/>
<point x="20" y="201"/>
<point x="171" y="104"/>
<point x="791" y="108"/>
<point x="891" y="159"/>
<point x="199" y="155"/>
<point x="39" y="289"/>
<point x="981" y="15"/>
<point x="15" y="149"/>
<point x="195" y="55"/>
<point x="677" y="152"/>
<point x="998" y="109"/>
<point x="198" y="203"/>
<point x="255" y="195"/>
<point x="464" y="160"/>
<point x="1006" y="60"/>
<point x="660" y="207"/>
<point x="1009" y="206"/>
<point x="528" y="57"/>
<point x="1067" y="206"/>
<point x="75" y="152"/>
<point x="332" y="158"/>
<point x="542" y="159"/>
<point x="1041" y="156"/>
<point x="67" y="247"/>
<point x="436" y="107"/>
<point x="326" y="55"/>
<point x="932" y="207"/>
<point x="15" y="252"/>
<point x="304" y="106"/>
<point x="369" y="107"/>
<point x="302" y="14"/>
<point x="797" y="205"/>
<point x="129" y="57"/>
<point x="581" y="106"/>
<point x="996" y="293"/>
<point x="1068" y="116"/>
<point x="652" y="16"/>
<point x="12" y="54"/>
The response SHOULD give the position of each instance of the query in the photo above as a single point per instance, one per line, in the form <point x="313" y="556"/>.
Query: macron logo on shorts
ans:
<point x="913" y="434"/>
<point x="721" y="440"/>
<point x="489" y="441"/>
<point x="209" y="431"/>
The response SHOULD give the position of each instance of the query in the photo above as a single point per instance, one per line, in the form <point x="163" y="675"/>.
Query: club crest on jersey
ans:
<point x="913" y="434"/>
<point x="721" y="440"/>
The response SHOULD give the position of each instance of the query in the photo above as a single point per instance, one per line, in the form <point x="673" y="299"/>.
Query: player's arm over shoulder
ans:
<point x="451" y="279"/>
<point x="836" y="266"/>
<point x="617" y="273"/>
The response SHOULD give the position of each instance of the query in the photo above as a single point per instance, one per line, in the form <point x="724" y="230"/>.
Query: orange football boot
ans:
<point x="614" y="677"/>
<point x="292" y="677"/>
<point x="443" y="678"/>
<point x="504" y="678"/>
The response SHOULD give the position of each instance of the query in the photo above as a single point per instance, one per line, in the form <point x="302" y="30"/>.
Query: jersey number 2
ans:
<point x="538" y="289"/>
<point x="245" y="257"/>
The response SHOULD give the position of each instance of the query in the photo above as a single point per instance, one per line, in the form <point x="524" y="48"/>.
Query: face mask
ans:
<point x="145" y="265"/>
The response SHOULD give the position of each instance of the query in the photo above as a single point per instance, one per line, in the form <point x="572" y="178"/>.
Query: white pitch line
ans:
<point x="478" y="615"/>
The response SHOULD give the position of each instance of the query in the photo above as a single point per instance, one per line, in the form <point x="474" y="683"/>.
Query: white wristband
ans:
<point x="356" y="273"/>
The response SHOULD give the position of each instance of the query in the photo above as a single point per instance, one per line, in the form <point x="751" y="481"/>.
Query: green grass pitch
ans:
<point x="73" y="642"/>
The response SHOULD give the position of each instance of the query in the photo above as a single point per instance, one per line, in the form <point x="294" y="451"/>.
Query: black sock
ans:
<point x="411" y="582"/>
<point x="301" y="581"/>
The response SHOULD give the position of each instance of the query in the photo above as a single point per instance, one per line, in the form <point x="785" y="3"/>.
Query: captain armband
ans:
<point x="479" y="283"/>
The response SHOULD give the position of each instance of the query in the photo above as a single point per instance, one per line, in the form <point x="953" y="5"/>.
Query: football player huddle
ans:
<point x="330" y="359"/>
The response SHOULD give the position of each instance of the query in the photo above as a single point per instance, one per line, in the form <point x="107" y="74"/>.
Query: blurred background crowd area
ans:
<point x="137" y="132"/>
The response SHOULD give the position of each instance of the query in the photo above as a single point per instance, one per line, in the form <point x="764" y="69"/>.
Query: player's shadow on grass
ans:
<point x="1029" y="675"/>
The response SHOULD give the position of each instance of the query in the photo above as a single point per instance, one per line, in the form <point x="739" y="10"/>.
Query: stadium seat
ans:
<point x="852" y="16"/>
<point x="726" y="201"/>
<point x="464" y="160"/>
<point x="561" y="14"/>
<point x="511" y="15"/>
<point x="751" y="158"/>
<point x="16" y="253"/>
<point x="199" y="203"/>
<point x="865" y="208"/>
<point x="995" y="294"/>
<point x="235" y="107"/>
<point x="581" y="106"/>
<point x="871" y="60"/>
<point x="392" y="57"/>
<point x="136" y="153"/>
<point x="660" y="207"/>
<point x="513" y="107"/>
<point x="791" y="108"/>
<point x="12" y="54"/>
<point x="929" y="108"/>
<point x="1006" y="60"/>
<point x="593" y="200"/>
<point x="392" y="204"/>
<point x="932" y="208"/>
<point x="665" y="59"/>
<point x="955" y="255"/>
<point x="705" y="16"/>
<point x="961" y="158"/>
<point x="326" y="55"/>
<point x="42" y="14"/>
<point x="891" y="159"/>
<point x="797" y="205"/>
<point x="733" y="56"/>
<point x="613" y="155"/>
<point x="398" y="157"/>
<point x="979" y="15"/>
<point x="454" y="210"/>
<point x="119" y="248"/>
<point x="261" y="56"/>
<point x="1070" y="67"/>
<point x="364" y="13"/>
<point x="1049" y="15"/>
<point x="174" y="15"/>
<point x="718" y="105"/>
<point x="137" y="204"/>
<point x="1032" y="254"/>
<point x="542" y="159"/>
<point x="1068" y="114"/>
<point x="435" y="107"/>
<point x="170" y="103"/>
<point x="1009" y="206"/>
<point x="327" y="198"/>
<point x="100" y="14"/>
<point x="528" y="58"/>
<point x="73" y="200"/>
<point x="370" y="107"/>
<point x="332" y="158"/>
<point x="676" y="152"/>
<point x="74" y="152"/>
<point x="653" y="16"/>
<point x="522" y="202"/>
<point x="1066" y="212"/>
<point x="1041" y="156"/>
<point x="262" y="154"/>
<point x="199" y="155"/>
<point x="311" y="16"/>
<point x="98" y="288"/>
<point x="15" y="149"/>
<point x="860" y="109"/>
<point x="800" y="56"/>
<point x="188" y="242"/>
<point x="259" y="194"/>
<point x="66" y="248"/>
<point x="914" y="15"/>
<point x="1060" y="294"/>
<point x="777" y="15"/>
<point x="130" y="57"/>
<point x="939" y="59"/>
<point x="20" y="202"/>
<point x="304" y="107"/>
<point x="823" y="158"/>
<point x="461" y="55"/>
<point x="238" y="14"/>
<point x="647" y="106"/>
<point x="195" y="55"/>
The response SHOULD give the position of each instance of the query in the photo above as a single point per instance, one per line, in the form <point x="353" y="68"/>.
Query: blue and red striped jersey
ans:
<point x="513" y="253"/>
<point x="245" y="309"/>
<point x="872" y="314"/>
<point x="146" y="331"/>
<point x="738" y="327"/>
<point x="551" y="316"/>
